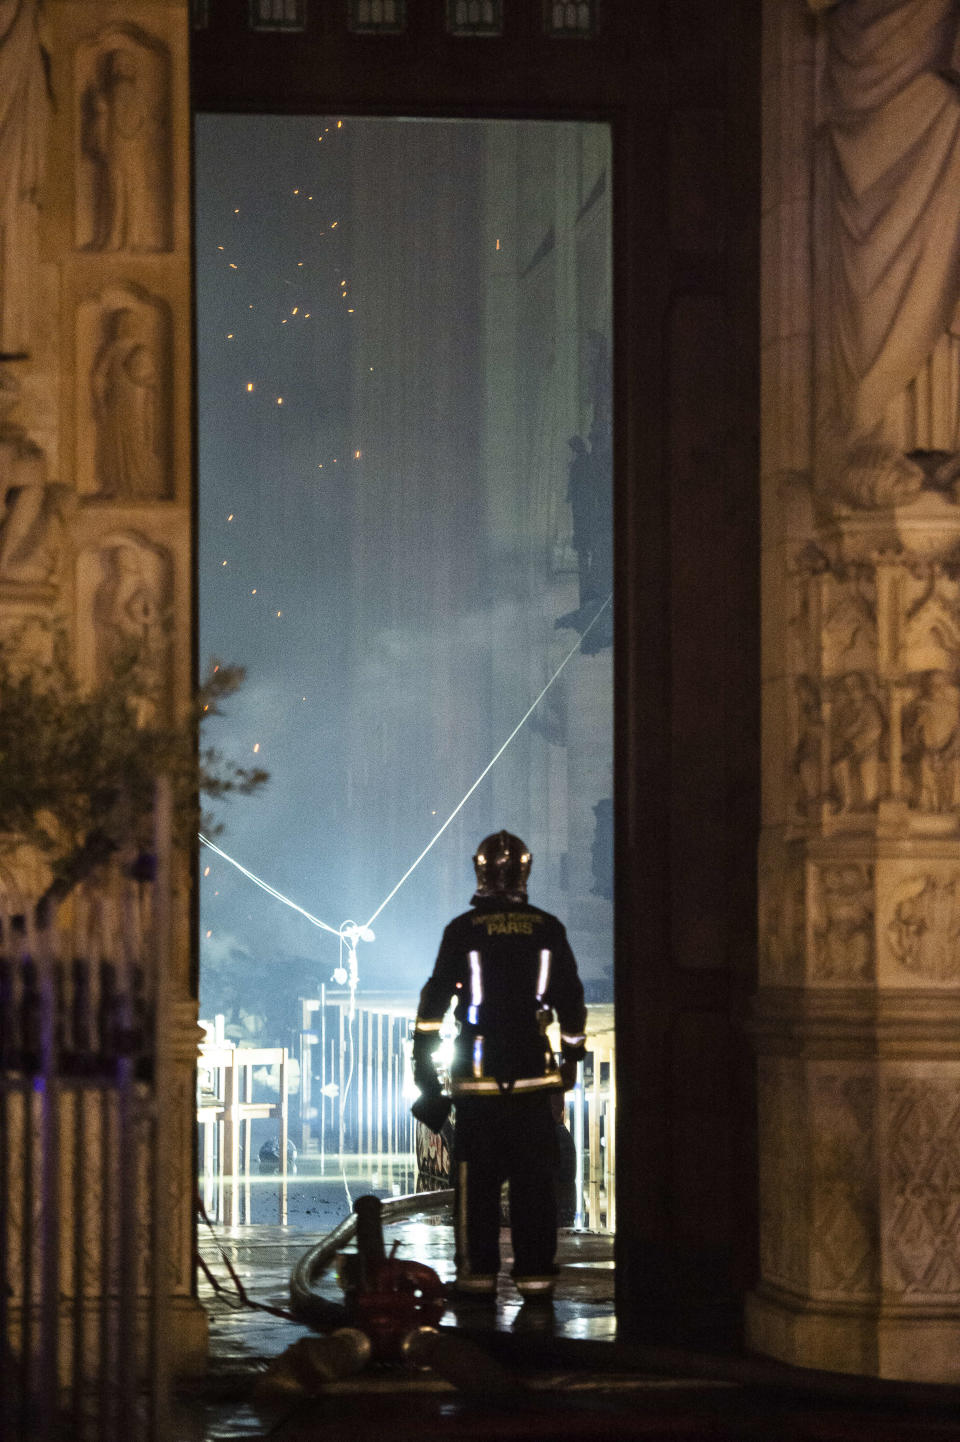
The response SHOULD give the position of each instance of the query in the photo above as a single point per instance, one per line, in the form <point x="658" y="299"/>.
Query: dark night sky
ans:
<point x="269" y="264"/>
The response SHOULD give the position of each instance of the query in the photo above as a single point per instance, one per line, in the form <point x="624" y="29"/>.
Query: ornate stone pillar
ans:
<point x="95" y="415"/>
<point x="857" y="1019"/>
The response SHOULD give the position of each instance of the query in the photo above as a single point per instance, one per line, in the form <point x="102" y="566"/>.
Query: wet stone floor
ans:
<point x="516" y="1382"/>
<point x="243" y="1339"/>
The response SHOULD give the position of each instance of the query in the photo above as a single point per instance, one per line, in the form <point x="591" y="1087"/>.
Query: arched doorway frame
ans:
<point x="680" y="93"/>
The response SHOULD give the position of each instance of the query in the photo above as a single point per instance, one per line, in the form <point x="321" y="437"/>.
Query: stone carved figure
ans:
<point x="856" y="742"/>
<point x="126" y="145"/>
<point x="31" y="526"/>
<point x="931" y="744"/>
<point x="924" y="934"/>
<point x="125" y="388"/>
<point x="887" y="246"/>
<point x="130" y="622"/>
<point x="843" y="940"/>
<point x="24" y="109"/>
<point x="808" y="753"/>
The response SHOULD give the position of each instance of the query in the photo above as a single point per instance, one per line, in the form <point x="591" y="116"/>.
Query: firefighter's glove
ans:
<point x="424" y="1067"/>
<point x="432" y="1110"/>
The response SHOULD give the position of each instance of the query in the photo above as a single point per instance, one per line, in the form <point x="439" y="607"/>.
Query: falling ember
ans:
<point x="334" y="224"/>
<point x="339" y="124"/>
<point x="249" y="385"/>
<point x="498" y="243"/>
<point x="356" y="455"/>
<point x="256" y="747"/>
<point x="279" y="400"/>
<point x="206" y="871"/>
<point x="279" y="613"/>
<point x="230" y="517"/>
<point x="209" y="934"/>
<point x="232" y="266"/>
<point x="254" y="591"/>
<point x="295" y="309"/>
<point x="223" y="563"/>
<point x="229" y="335"/>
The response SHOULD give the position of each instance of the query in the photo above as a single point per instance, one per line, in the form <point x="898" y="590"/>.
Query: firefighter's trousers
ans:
<point x="496" y="1139"/>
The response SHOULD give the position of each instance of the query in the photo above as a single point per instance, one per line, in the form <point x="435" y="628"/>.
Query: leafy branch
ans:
<point x="79" y="766"/>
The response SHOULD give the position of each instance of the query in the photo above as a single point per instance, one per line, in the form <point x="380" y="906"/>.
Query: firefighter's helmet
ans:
<point x="502" y="864"/>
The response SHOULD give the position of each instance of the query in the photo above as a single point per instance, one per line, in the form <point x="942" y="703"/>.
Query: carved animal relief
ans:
<point x="843" y="930"/>
<point x="924" y="934"/>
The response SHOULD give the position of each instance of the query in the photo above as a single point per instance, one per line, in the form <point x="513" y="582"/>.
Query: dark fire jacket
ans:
<point x="510" y="967"/>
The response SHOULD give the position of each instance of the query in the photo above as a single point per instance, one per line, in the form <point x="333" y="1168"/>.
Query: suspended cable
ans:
<point x="349" y="932"/>
<point x="265" y="886"/>
<point x="490" y="764"/>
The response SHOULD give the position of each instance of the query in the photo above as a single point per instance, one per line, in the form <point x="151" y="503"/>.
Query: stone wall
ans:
<point x="95" y="409"/>
<point x="859" y="915"/>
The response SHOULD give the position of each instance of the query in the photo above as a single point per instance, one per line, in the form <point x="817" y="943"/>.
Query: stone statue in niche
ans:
<point x="856" y="743"/>
<point x="127" y="409"/>
<point x="24" y="110"/>
<point x="31" y="522"/>
<point x="887" y="250"/>
<point x="130" y="623"/>
<point x="931" y="743"/>
<point x="125" y="143"/>
<point x="843" y="941"/>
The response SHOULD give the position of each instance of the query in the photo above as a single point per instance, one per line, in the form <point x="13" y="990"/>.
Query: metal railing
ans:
<point x="356" y="1093"/>
<point x="82" y="1262"/>
<point x="355" y="1078"/>
<point x="226" y="1111"/>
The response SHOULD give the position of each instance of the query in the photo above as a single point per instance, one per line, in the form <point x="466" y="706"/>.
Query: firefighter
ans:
<point x="510" y="967"/>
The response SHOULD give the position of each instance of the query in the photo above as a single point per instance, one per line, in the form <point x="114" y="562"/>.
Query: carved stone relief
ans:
<point x="857" y="742"/>
<point x="922" y="1187"/>
<point x="849" y="621"/>
<point x="923" y="933"/>
<point x="31" y="514"/>
<point x="929" y="631"/>
<point x="123" y="402"/>
<point x="124" y="125"/>
<point x="24" y="112"/>
<point x="843" y="1207"/>
<point x="930" y="744"/>
<point x="124" y="599"/>
<point x="843" y="945"/>
<point x="808" y="751"/>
